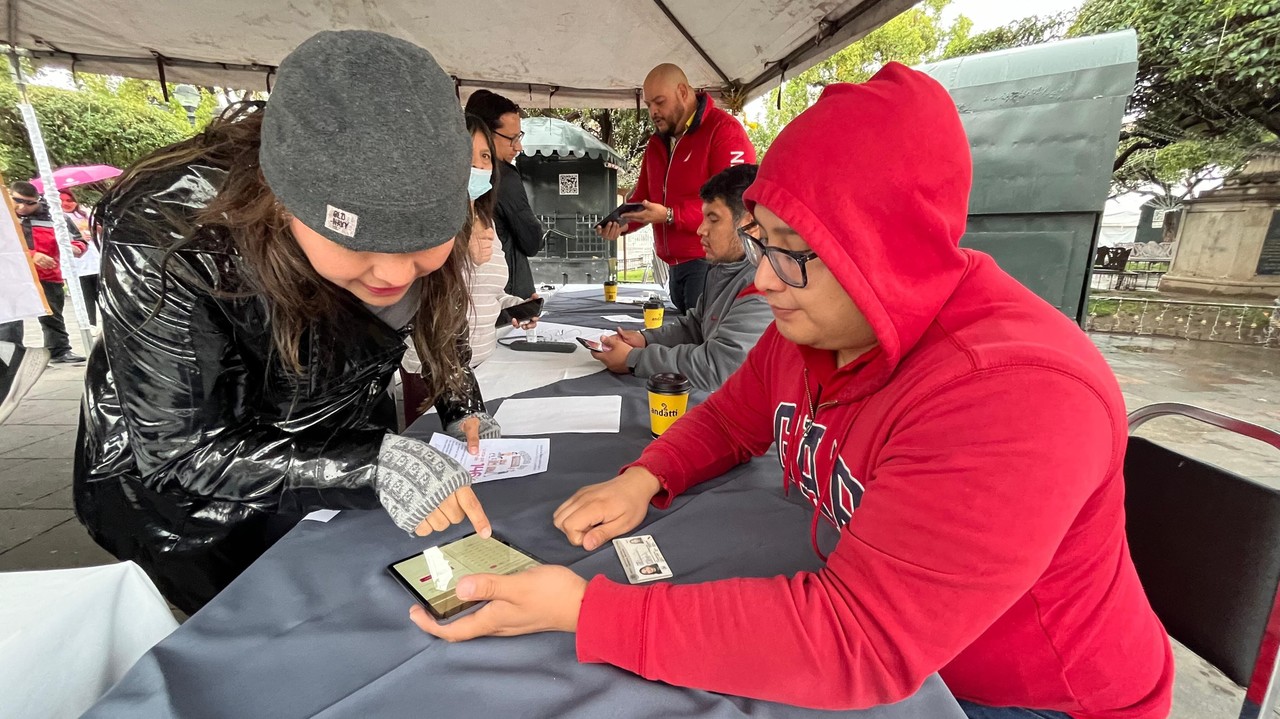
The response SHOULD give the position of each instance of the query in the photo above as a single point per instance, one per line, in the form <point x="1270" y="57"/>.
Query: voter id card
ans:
<point x="641" y="559"/>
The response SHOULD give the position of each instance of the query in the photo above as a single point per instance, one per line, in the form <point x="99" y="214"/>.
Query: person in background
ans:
<point x="709" y="342"/>
<point x="85" y="266"/>
<point x="42" y="243"/>
<point x="489" y="298"/>
<point x="693" y="141"/>
<point x="257" y="288"/>
<point x="916" y="396"/>
<point x="517" y="227"/>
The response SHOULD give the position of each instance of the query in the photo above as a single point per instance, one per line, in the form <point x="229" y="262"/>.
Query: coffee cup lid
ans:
<point x="669" y="382"/>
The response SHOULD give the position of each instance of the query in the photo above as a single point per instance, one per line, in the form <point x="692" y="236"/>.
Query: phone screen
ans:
<point x="590" y="344"/>
<point x="472" y="554"/>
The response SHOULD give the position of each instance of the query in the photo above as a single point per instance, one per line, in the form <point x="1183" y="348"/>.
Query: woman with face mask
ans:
<point x="258" y="288"/>
<point x="488" y="297"/>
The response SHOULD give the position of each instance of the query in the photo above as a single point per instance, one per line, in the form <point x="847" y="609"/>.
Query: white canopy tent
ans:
<point x="541" y="53"/>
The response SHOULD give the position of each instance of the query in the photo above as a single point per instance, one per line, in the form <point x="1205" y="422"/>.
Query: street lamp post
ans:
<point x="189" y="97"/>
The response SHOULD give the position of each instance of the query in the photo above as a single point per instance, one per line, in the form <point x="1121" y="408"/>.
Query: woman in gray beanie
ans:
<point x="258" y="282"/>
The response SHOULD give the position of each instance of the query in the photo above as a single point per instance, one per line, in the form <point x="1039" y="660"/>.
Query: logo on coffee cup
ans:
<point x="664" y="412"/>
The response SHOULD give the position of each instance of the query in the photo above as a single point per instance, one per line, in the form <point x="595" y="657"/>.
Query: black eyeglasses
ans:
<point x="24" y="201"/>
<point x="788" y="265"/>
<point x="519" y="136"/>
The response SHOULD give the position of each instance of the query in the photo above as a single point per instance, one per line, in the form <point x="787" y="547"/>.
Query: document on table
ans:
<point x="621" y="318"/>
<point x="554" y="332"/>
<point x="499" y="458"/>
<point x="555" y="415"/>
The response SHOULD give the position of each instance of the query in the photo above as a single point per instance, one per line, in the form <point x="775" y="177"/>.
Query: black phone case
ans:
<point x="391" y="569"/>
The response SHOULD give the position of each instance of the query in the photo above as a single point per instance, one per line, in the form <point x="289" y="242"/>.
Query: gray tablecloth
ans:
<point x="586" y="308"/>
<point x="316" y="627"/>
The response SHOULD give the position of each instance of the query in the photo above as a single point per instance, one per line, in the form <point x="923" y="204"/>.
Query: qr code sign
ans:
<point x="569" y="184"/>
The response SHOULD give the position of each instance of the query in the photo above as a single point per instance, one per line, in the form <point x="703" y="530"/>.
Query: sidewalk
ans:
<point x="38" y="529"/>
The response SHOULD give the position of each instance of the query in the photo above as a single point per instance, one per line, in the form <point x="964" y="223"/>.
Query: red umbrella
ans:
<point x="73" y="175"/>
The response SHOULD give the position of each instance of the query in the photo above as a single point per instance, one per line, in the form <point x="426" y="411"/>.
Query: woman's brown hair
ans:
<point x="484" y="206"/>
<point x="246" y="211"/>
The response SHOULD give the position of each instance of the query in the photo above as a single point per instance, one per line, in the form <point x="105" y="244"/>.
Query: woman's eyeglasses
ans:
<point x="788" y="265"/>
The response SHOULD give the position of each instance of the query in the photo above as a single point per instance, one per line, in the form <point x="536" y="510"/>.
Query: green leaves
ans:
<point x="100" y="124"/>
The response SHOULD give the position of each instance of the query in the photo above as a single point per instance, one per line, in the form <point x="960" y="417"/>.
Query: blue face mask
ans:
<point x="479" y="183"/>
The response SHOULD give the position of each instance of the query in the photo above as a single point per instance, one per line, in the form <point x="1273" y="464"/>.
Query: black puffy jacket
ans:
<point x="197" y="447"/>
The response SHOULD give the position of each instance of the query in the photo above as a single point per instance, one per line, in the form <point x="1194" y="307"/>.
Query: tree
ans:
<point x="1032" y="30"/>
<point x="109" y="121"/>
<point x="1206" y="70"/>
<point x="915" y="36"/>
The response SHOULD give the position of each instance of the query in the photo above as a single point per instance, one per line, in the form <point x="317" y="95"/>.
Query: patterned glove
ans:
<point x="489" y="429"/>
<point x="414" y="478"/>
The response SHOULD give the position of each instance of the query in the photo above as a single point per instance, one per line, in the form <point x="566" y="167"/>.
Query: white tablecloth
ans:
<point x="68" y="635"/>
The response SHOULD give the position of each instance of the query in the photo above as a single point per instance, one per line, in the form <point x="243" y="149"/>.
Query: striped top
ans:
<point x="488" y="298"/>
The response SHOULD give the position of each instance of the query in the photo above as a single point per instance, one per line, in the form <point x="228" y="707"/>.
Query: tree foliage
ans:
<point x="1031" y="30"/>
<point x="109" y="121"/>
<point x="915" y="36"/>
<point x="1207" y="70"/>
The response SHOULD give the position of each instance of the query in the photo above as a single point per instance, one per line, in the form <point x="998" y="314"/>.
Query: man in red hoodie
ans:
<point x="964" y="436"/>
<point x="694" y="141"/>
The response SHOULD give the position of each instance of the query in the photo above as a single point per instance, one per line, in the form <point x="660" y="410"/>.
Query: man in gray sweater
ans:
<point x="710" y="342"/>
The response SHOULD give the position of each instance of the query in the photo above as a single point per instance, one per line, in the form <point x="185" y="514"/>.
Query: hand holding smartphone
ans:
<point x="472" y="554"/>
<point x="623" y="209"/>
<point x="592" y="345"/>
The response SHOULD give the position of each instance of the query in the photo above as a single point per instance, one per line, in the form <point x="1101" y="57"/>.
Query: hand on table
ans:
<point x="597" y="513"/>
<point x="632" y="337"/>
<point x="653" y="214"/>
<point x="615" y="354"/>
<point x="44" y="261"/>
<point x="541" y="599"/>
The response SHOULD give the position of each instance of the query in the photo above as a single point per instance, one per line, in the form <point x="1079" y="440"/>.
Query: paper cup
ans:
<point x="668" y="400"/>
<point x="610" y="291"/>
<point x="653" y="314"/>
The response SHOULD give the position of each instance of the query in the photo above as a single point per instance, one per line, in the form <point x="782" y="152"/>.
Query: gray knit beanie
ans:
<point x="363" y="141"/>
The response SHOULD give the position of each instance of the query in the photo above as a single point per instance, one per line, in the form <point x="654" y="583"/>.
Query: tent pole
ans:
<point x="51" y="197"/>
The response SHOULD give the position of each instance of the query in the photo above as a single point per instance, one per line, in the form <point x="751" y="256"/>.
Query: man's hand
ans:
<point x="632" y="338"/>
<point x="599" y="512"/>
<point x="77" y="251"/>
<point x="610" y="231"/>
<point x="44" y="261"/>
<point x="543" y="599"/>
<point x="615" y="354"/>
<point x="653" y="214"/>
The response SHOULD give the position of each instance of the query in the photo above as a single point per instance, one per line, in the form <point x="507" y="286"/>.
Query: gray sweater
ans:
<point x="710" y="342"/>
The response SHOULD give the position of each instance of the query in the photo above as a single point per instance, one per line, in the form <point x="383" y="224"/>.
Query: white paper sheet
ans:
<point x="499" y="458"/>
<point x="556" y="415"/>
<point x="621" y="318"/>
<point x="321" y="515"/>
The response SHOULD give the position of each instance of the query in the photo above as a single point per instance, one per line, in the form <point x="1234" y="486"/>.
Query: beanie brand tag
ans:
<point x="341" y="221"/>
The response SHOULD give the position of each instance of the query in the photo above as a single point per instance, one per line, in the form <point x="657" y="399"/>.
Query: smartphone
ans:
<point x="590" y="344"/>
<point x="619" y="211"/>
<point x="525" y="311"/>
<point x="472" y="554"/>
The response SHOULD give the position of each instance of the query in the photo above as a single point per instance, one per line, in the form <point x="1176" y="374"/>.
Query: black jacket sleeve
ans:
<point x="513" y="206"/>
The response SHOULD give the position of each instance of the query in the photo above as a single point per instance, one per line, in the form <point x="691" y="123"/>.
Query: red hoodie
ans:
<point x="714" y="141"/>
<point x="972" y="461"/>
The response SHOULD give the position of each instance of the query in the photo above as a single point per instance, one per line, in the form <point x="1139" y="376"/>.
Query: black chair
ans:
<point x="1206" y="543"/>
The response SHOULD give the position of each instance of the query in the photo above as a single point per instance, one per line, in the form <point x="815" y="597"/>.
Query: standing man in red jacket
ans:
<point x="694" y="141"/>
<point x="965" y="438"/>
<point x="37" y="227"/>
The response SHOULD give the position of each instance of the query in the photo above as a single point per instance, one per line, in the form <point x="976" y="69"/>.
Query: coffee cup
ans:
<point x="668" y="400"/>
<point x="653" y="312"/>
<point x="610" y="291"/>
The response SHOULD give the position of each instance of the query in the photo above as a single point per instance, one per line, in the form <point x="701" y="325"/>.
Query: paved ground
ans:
<point x="38" y="529"/>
